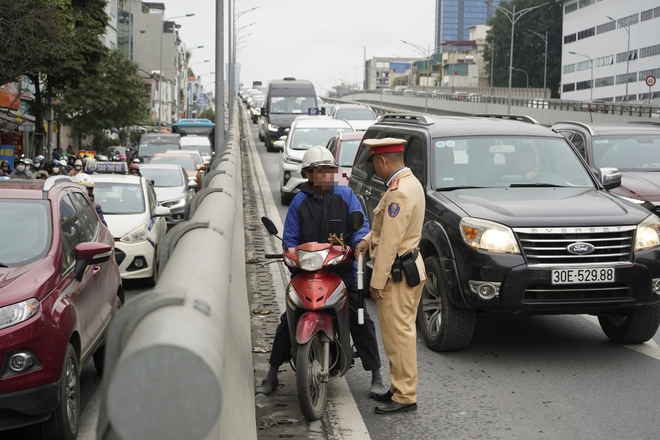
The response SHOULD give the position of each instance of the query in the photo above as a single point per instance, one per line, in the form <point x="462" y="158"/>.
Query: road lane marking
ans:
<point x="649" y="348"/>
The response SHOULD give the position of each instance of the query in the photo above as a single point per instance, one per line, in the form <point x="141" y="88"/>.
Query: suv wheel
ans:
<point x="634" y="326"/>
<point x="64" y="422"/>
<point x="443" y="326"/>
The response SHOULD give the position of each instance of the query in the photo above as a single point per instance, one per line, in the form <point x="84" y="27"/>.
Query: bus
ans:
<point x="195" y="127"/>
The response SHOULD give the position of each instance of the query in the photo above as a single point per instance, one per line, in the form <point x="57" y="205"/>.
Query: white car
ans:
<point x="135" y="220"/>
<point x="359" y="116"/>
<point x="198" y="143"/>
<point x="306" y="132"/>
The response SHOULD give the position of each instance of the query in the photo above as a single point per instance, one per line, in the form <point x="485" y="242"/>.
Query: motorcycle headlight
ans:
<point x="336" y="260"/>
<point x="312" y="261"/>
<point x="488" y="236"/>
<point x="19" y="312"/>
<point x="273" y="127"/>
<point x="647" y="235"/>
<point x="289" y="262"/>
<point x="137" y="235"/>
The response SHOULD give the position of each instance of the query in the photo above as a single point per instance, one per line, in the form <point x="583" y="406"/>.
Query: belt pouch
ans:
<point x="410" y="270"/>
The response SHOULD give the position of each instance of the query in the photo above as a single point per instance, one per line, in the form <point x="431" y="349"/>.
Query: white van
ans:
<point x="199" y="143"/>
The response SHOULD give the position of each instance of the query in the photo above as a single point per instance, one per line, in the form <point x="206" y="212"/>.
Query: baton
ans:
<point x="360" y="283"/>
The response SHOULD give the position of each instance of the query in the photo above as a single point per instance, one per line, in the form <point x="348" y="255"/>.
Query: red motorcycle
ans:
<point x="318" y="314"/>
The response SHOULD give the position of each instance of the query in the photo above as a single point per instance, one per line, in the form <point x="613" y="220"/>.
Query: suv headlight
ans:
<point x="273" y="127"/>
<point x="647" y="235"/>
<point x="174" y="203"/>
<point x="291" y="161"/>
<point x="19" y="312"/>
<point x="488" y="236"/>
<point x="137" y="235"/>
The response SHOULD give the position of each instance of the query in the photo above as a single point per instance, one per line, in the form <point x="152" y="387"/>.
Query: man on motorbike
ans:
<point x="307" y="220"/>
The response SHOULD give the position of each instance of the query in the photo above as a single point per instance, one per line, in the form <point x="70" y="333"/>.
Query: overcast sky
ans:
<point x="318" y="40"/>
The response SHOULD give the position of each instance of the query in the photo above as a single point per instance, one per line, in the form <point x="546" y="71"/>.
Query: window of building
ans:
<point x="569" y="68"/>
<point x="649" y="51"/>
<point x="585" y="3"/>
<point x="582" y="85"/>
<point x="586" y="33"/>
<point x="644" y="73"/>
<point x="570" y="38"/>
<point x="604" y="61"/>
<point x="628" y="21"/>
<point x="625" y="56"/>
<point x="570" y="8"/>
<point x="604" y="82"/>
<point x="621" y="79"/>
<point x="583" y="65"/>
<point x="607" y="27"/>
<point x="568" y="87"/>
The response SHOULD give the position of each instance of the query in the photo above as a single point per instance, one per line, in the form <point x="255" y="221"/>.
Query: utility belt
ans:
<point x="406" y="264"/>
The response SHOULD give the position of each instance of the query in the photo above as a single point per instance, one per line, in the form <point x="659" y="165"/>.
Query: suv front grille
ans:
<point x="576" y="293"/>
<point x="549" y="246"/>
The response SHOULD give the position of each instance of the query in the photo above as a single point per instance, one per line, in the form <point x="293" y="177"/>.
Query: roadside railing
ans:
<point x="178" y="361"/>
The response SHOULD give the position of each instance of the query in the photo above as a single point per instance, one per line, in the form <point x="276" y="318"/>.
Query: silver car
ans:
<point x="173" y="189"/>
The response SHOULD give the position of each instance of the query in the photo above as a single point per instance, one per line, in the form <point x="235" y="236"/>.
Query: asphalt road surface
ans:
<point x="545" y="377"/>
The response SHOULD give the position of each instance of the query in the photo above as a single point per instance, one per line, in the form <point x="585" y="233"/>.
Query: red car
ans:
<point x="343" y="147"/>
<point x="59" y="290"/>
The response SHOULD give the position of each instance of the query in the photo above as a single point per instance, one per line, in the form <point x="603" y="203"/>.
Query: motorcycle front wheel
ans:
<point x="312" y="391"/>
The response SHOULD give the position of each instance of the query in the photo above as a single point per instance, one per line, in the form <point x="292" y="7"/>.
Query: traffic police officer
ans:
<point x="398" y="273"/>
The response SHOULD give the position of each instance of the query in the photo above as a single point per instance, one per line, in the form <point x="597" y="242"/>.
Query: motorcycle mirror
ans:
<point x="355" y="220"/>
<point x="270" y="226"/>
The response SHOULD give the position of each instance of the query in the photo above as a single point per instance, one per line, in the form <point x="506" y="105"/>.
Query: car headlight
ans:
<point x="273" y="127"/>
<point x="174" y="203"/>
<point x="647" y="235"/>
<point x="19" y="312"/>
<point x="311" y="261"/>
<point x="137" y="235"/>
<point x="488" y="236"/>
<point x="290" y="161"/>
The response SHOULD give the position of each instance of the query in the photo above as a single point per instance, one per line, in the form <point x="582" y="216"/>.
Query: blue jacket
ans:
<point x="308" y="219"/>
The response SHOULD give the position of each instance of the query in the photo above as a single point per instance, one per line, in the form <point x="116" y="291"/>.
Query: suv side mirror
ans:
<point x="263" y="111"/>
<point x="355" y="220"/>
<point x="278" y="145"/>
<point x="162" y="211"/>
<point x="610" y="178"/>
<point x="88" y="254"/>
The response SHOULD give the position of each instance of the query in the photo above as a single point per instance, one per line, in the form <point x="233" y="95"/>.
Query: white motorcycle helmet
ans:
<point x="84" y="179"/>
<point x="317" y="157"/>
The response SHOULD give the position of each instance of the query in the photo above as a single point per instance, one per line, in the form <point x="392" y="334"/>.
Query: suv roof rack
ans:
<point x="54" y="180"/>
<point x="408" y="118"/>
<point x="581" y="124"/>
<point x="521" y="118"/>
<point x="645" y="122"/>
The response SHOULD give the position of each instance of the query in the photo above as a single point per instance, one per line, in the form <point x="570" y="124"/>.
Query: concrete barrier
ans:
<point x="178" y="359"/>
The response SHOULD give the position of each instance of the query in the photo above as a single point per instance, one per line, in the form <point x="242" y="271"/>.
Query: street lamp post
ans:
<point x="513" y="18"/>
<point x="356" y="81"/>
<point x="627" y="28"/>
<point x="545" y="64"/>
<point x="160" y="72"/>
<point x="526" y="75"/>
<point x="233" y="32"/>
<point x="427" y="54"/>
<point x="591" y="86"/>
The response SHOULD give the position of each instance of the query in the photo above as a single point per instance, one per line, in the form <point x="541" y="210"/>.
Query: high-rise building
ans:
<point x="453" y="19"/>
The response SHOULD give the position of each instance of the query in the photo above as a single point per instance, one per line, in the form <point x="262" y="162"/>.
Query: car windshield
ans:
<point x="203" y="149"/>
<point x="627" y="153"/>
<point x="347" y="152"/>
<point x="291" y="104"/>
<point x="306" y="138"/>
<point x="507" y="162"/>
<point x="151" y="149"/>
<point x="119" y="198"/>
<point x="27" y="229"/>
<point x="356" y="114"/>
<point x="186" y="162"/>
<point x="162" y="177"/>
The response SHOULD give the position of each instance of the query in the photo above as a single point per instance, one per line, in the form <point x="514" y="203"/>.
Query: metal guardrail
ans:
<point x="168" y="368"/>
<point x="614" y="108"/>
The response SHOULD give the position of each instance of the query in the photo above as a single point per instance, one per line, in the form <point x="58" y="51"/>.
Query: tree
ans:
<point x="54" y="43"/>
<point x="113" y="97"/>
<point x="528" y="49"/>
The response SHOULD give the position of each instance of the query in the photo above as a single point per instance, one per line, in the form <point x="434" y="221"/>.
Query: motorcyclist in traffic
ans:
<point x="21" y="171"/>
<point x="85" y="180"/>
<point x="4" y="169"/>
<point x="308" y="219"/>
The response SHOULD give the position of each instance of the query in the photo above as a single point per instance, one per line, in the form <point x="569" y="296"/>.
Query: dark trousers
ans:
<point x="364" y="337"/>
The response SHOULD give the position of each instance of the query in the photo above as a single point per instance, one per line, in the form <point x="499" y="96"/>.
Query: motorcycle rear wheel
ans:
<point x="312" y="391"/>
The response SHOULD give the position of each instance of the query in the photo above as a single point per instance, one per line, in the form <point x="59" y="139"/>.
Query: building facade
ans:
<point x="380" y="72"/>
<point x="609" y="49"/>
<point x="453" y="19"/>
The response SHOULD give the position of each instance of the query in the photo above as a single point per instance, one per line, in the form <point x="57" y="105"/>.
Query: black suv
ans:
<point x="633" y="149"/>
<point x="517" y="224"/>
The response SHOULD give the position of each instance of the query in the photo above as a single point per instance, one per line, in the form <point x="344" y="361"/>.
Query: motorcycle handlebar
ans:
<point x="273" y="256"/>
